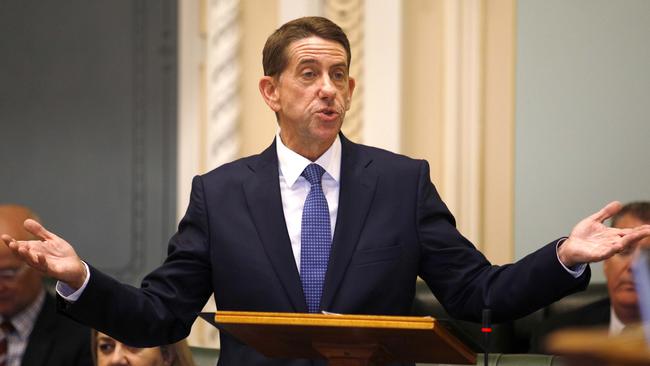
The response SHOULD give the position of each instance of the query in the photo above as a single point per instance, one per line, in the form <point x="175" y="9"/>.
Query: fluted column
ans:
<point x="221" y="82"/>
<point x="348" y="14"/>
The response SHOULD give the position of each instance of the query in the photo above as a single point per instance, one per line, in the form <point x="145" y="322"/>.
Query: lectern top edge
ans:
<point x="326" y="320"/>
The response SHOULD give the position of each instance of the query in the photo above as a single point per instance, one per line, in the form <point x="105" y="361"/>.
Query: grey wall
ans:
<point x="88" y="124"/>
<point x="582" y="113"/>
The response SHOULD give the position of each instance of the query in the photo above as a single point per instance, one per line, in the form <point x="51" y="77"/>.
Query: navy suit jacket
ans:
<point x="392" y="226"/>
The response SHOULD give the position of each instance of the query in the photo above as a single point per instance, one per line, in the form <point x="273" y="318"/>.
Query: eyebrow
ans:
<point x="313" y="61"/>
<point x="307" y="61"/>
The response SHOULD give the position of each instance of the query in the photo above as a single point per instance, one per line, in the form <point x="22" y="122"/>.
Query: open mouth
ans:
<point x="328" y="114"/>
<point x="328" y="111"/>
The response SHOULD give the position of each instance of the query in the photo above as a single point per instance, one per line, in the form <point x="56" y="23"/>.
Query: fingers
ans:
<point x="641" y="232"/>
<point x="616" y="232"/>
<point x="24" y="251"/>
<point x="638" y="235"/>
<point x="645" y="241"/>
<point x="37" y="229"/>
<point x="10" y="242"/>
<point x="32" y="256"/>
<point x="34" y="259"/>
<point x="41" y="263"/>
<point x="7" y="239"/>
<point x="606" y="212"/>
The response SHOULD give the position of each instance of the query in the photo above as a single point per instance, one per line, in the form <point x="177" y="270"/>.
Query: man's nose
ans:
<point x="327" y="89"/>
<point x="628" y="267"/>
<point x="629" y="261"/>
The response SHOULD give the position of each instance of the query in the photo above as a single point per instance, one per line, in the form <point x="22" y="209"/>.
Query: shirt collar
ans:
<point x="24" y="321"/>
<point x="291" y="164"/>
<point x="615" y="324"/>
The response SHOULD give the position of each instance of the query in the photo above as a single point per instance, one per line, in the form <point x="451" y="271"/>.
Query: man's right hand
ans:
<point x="51" y="255"/>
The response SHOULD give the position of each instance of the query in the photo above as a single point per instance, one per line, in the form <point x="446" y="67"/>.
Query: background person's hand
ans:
<point x="51" y="255"/>
<point x="592" y="241"/>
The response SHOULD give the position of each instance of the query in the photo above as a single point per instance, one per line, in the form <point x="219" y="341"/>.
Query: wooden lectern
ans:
<point x="595" y="347"/>
<point x="344" y="340"/>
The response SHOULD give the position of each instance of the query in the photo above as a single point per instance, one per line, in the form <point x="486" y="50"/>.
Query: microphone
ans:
<point x="486" y="329"/>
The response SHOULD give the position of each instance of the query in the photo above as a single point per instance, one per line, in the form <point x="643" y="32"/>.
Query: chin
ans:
<point x="327" y="134"/>
<point x="628" y="300"/>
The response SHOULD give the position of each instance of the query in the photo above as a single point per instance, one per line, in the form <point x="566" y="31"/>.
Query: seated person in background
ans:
<point x="107" y="351"/>
<point x="621" y="307"/>
<point x="32" y="333"/>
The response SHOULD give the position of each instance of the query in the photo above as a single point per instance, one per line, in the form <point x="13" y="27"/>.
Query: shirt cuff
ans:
<point x="68" y="293"/>
<point x="575" y="271"/>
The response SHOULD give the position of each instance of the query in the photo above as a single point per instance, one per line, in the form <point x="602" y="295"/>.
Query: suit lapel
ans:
<point x="357" y="189"/>
<point x="265" y="205"/>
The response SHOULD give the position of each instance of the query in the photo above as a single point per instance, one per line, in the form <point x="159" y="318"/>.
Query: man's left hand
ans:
<point x="592" y="241"/>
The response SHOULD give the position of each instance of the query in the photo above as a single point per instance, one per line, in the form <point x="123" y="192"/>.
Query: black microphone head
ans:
<point x="486" y="318"/>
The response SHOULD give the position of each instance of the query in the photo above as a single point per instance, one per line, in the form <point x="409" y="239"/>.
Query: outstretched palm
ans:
<point x="592" y="241"/>
<point x="51" y="255"/>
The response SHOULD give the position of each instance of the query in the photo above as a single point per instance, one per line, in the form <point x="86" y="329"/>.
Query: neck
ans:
<point x="311" y="151"/>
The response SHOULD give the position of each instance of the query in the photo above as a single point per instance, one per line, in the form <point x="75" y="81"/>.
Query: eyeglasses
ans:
<point x="10" y="274"/>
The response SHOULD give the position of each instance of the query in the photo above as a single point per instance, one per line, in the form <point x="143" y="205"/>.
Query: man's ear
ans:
<point x="269" y="90"/>
<point x="351" y="84"/>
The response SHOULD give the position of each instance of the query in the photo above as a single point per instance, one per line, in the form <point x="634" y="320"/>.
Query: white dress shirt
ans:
<point x="294" y="187"/>
<point x="615" y="324"/>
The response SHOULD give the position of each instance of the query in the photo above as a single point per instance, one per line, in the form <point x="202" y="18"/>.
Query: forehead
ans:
<point x="11" y="222"/>
<point x="316" y="49"/>
<point x="628" y="221"/>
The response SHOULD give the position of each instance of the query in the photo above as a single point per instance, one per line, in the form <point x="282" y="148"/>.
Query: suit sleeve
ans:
<point x="163" y="309"/>
<point x="464" y="280"/>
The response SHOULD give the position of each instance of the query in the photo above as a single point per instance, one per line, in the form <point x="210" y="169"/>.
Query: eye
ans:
<point x="338" y="75"/>
<point x="106" y="347"/>
<point x="308" y="74"/>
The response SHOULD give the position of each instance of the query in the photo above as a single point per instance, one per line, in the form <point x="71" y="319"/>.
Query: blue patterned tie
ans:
<point x="315" y="239"/>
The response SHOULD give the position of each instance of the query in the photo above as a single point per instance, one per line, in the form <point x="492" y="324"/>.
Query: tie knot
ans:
<point x="313" y="173"/>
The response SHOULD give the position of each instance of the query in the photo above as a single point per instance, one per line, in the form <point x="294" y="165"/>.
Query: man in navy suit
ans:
<point x="242" y="235"/>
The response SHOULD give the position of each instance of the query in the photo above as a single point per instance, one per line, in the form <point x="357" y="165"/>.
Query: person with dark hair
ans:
<point x="107" y="351"/>
<point x="621" y="307"/>
<point x="316" y="223"/>
<point x="31" y="332"/>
